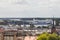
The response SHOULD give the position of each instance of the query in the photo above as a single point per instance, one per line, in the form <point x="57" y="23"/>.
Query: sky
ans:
<point x="29" y="8"/>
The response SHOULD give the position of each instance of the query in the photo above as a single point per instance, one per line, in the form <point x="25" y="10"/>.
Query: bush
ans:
<point x="46" y="36"/>
<point x="43" y="36"/>
<point x="59" y="38"/>
<point x="53" y="37"/>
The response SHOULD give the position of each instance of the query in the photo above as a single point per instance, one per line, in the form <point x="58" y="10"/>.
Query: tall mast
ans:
<point x="53" y="22"/>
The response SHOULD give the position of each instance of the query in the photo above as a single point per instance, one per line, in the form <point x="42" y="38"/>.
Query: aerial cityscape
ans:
<point x="29" y="19"/>
<point x="22" y="28"/>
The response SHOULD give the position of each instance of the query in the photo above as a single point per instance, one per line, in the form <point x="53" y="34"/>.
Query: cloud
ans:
<point x="54" y="8"/>
<point x="29" y="8"/>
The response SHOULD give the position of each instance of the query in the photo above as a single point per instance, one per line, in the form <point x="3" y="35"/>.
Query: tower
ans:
<point x="53" y="29"/>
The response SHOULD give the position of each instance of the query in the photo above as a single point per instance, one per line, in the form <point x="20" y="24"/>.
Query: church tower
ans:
<point x="53" y="29"/>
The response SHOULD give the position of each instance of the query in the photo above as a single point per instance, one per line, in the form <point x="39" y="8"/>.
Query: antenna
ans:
<point x="53" y="21"/>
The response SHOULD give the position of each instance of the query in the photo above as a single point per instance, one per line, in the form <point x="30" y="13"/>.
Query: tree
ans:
<point x="57" y="22"/>
<point x="43" y="36"/>
<point x="32" y="26"/>
<point x="46" y="36"/>
<point x="53" y="36"/>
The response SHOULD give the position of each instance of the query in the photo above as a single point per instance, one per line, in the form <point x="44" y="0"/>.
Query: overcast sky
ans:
<point x="29" y="8"/>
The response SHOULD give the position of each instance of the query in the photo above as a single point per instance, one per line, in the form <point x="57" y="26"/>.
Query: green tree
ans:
<point x="43" y="36"/>
<point x="53" y="36"/>
<point x="46" y="36"/>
